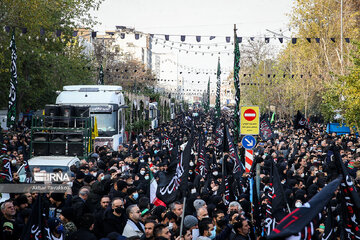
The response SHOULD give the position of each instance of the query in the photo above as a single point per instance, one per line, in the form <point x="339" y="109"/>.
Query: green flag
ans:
<point x="101" y="76"/>
<point x="218" y="85"/>
<point x="272" y="117"/>
<point x="237" y="87"/>
<point x="207" y="107"/>
<point x="11" y="115"/>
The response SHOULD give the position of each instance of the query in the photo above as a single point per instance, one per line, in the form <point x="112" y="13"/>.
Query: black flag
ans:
<point x="225" y="188"/>
<point x="233" y="153"/>
<point x="141" y="148"/>
<point x="329" y="233"/>
<point x="266" y="132"/>
<point x="294" y="223"/>
<point x="351" y="203"/>
<point x="301" y="122"/>
<point x="11" y="115"/>
<point x="219" y="136"/>
<point x="201" y="166"/>
<point x="36" y="228"/>
<point x="171" y="186"/>
<point x="28" y="172"/>
<point x="101" y="76"/>
<point x="5" y="168"/>
<point x="276" y="200"/>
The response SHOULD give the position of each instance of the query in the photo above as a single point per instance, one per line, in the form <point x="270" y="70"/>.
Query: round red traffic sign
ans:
<point x="249" y="114"/>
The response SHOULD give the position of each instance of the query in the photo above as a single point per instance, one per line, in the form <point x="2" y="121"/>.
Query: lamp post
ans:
<point x="341" y="33"/>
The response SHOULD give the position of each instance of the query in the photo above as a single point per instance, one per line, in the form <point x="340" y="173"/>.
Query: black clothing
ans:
<point x="98" y="224"/>
<point x="6" y="235"/>
<point x="80" y="208"/>
<point x="113" y="223"/>
<point x="82" y="234"/>
<point x="76" y="187"/>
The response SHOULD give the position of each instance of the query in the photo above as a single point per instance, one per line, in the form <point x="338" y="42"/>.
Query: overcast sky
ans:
<point x="197" y="17"/>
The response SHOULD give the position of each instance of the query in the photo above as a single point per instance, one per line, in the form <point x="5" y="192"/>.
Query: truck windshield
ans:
<point x="106" y="123"/>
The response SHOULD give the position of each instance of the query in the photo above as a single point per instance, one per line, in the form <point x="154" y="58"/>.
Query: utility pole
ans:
<point x="341" y="34"/>
<point x="235" y="41"/>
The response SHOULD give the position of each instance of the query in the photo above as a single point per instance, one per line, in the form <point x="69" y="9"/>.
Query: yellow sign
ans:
<point x="250" y="121"/>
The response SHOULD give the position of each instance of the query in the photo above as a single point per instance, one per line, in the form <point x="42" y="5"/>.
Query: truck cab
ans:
<point x="106" y="105"/>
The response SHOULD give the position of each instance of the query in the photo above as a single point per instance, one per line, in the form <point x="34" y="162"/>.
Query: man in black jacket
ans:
<point x="115" y="218"/>
<point x="78" y="182"/>
<point x="79" y="204"/>
<point x="242" y="229"/>
<point x="86" y="224"/>
<point x="99" y="215"/>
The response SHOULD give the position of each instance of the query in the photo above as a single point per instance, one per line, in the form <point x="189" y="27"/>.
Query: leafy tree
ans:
<point x="311" y="69"/>
<point x="46" y="62"/>
<point x="344" y="95"/>
<point x="122" y="68"/>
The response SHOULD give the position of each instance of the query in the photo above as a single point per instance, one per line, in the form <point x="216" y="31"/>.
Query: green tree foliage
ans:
<point x="344" y="94"/>
<point x="45" y="62"/>
<point x="312" y="69"/>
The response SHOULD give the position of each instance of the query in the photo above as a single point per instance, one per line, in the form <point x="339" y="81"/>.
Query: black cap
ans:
<point x="80" y="175"/>
<point x="89" y="178"/>
<point x="68" y="213"/>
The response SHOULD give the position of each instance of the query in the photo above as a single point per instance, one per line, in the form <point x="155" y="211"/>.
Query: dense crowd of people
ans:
<point x="110" y="193"/>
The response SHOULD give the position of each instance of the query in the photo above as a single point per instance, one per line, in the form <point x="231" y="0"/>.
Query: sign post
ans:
<point x="248" y="142"/>
<point x="250" y="121"/>
<point x="249" y="125"/>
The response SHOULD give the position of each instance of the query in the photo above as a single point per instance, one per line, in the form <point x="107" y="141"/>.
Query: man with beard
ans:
<point x="149" y="230"/>
<point x="133" y="226"/>
<point x="114" y="218"/>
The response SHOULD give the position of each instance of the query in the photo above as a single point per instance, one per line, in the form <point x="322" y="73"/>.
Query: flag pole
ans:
<point x="182" y="218"/>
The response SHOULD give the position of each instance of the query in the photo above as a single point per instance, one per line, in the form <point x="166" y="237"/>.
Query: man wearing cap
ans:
<point x="9" y="228"/>
<point x="56" y="228"/>
<point x="21" y="203"/>
<point x="132" y="197"/>
<point x="86" y="225"/>
<point x="78" y="182"/>
<point x="119" y="190"/>
<point x="191" y="222"/>
<point x="56" y="204"/>
<point x="67" y="217"/>
<point x="199" y="203"/>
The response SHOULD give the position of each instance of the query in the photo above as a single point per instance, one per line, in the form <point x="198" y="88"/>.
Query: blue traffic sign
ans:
<point x="248" y="142"/>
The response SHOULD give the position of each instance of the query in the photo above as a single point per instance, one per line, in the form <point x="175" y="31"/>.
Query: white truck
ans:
<point x="107" y="106"/>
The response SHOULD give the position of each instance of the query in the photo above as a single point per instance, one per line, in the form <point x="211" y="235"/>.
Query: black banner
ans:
<point x="266" y="132"/>
<point x="295" y="222"/>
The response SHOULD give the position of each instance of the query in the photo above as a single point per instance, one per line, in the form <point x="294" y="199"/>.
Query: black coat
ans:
<point x="113" y="223"/>
<point x="80" y="208"/>
<point x="76" y="187"/>
<point x="82" y="234"/>
<point x="98" y="224"/>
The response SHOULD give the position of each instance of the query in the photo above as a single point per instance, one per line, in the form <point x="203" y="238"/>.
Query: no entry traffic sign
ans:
<point x="249" y="114"/>
<point x="250" y="121"/>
